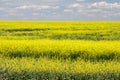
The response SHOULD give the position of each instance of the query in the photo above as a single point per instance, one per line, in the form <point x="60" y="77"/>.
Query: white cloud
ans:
<point x="104" y="4"/>
<point x="80" y="0"/>
<point x="59" y="9"/>
<point x="1" y="8"/>
<point x="89" y="11"/>
<point x="68" y="10"/>
<point x="35" y="14"/>
<point x="75" y="5"/>
<point x="32" y="7"/>
<point x="37" y="7"/>
<point x="4" y="0"/>
<point x="116" y="14"/>
<point x="55" y="7"/>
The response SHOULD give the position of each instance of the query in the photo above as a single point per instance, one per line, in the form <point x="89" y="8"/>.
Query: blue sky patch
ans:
<point x="60" y="9"/>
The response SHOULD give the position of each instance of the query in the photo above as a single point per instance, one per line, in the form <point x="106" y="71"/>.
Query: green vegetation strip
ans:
<point x="61" y="49"/>
<point x="47" y="69"/>
<point x="57" y="50"/>
<point x="59" y="59"/>
<point x="60" y="30"/>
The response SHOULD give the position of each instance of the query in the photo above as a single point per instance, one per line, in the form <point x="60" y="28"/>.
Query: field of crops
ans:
<point x="59" y="50"/>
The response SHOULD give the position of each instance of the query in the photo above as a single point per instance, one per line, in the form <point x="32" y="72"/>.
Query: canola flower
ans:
<point x="59" y="30"/>
<point x="39" y="50"/>
<point x="61" y="49"/>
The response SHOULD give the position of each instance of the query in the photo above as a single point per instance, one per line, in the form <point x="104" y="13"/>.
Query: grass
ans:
<point x="38" y="50"/>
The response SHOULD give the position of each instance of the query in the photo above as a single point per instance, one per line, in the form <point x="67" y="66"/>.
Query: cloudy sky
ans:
<point x="60" y="9"/>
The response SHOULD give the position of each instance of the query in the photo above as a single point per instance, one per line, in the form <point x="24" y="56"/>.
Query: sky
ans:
<point x="59" y="9"/>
